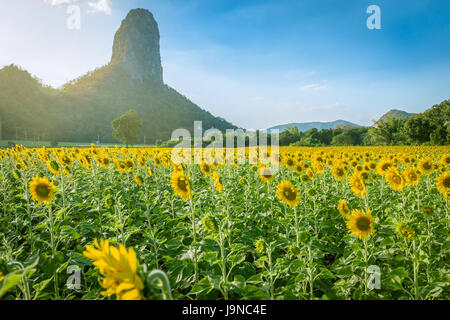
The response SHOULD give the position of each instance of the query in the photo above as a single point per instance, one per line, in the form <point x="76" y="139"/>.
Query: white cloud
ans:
<point x="59" y="2"/>
<point x="104" y="6"/>
<point x="314" y="87"/>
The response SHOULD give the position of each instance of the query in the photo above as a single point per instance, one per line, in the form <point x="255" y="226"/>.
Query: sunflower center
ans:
<point x="447" y="182"/>
<point x="397" y="179"/>
<point x="42" y="191"/>
<point x="290" y="194"/>
<point x="182" y="185"/>
<point x="363" y="224"/>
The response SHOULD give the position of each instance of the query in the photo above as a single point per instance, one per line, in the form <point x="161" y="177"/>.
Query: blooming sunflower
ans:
<point x="287" y="194"/>
<point x="445" y="160"/>
<point x="118" y="266"/>
<point x="395" y="179"/>
<point x="42" y="190"/>
<point x="361" y="223"/>
<point x="290" y="162"/>
<point x="412" y="176"/>
<point x="426" y="166"/>
<point x="180" y="185"/>
<point x="383" y="167"/>
<point x="339" y="172"/>
<point x="443" y="182"/>
<point x="357" y="185"/>
<point x="343" y="208"/>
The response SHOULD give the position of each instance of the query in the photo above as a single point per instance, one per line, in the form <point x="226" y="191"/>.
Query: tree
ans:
<point x="127" y="127"/>
<point x="389" y="132"/>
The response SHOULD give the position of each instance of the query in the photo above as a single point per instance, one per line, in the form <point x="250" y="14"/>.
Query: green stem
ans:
<point x="164" y="283"/>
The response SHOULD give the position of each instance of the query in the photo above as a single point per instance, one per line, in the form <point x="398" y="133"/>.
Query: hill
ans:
<point x="318" y="125"/>
<point x="84" y="108"/>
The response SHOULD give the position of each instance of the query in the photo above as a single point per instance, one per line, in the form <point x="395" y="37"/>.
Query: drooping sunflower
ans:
<point x="361" y="223"/>
<point x="288" y="194"/>
<point x="42" y="190"/>
<point x="180" y="185"/>
<point x="395" y="179"/>
<point x="357" y="185"/>
<point x="343" y="208"/>
<point x="266" y="174"/>
<point x="443" y="182"/>
<point x="118" y="266"/>
<point x="138" y="180"/>
<point x="217" y="182"/>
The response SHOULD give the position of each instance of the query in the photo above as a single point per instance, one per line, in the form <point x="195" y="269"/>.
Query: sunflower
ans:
<point x="445" y="160"/>
<point x="121" y="166"/>
<point x="180" y="185"/>
<point x="217" y="183"/>
<point x="138" y="180"/>
<point x="339" y="172"/>
<point x="266" y="174"/>
<point x="319" y="168"/>
<point x="361" y="223"/>
<point x="443" y="182"/>
<point x="412" y="177"/>
<point x="395" y="179"/>
<point x="290" y="162"/>
<point x="343" y="208"/>
<point x="426" y="166"/>
<point x="1" y="276"/>
<point x="118" y="266"/>
<point x="42" y="190"/>
<point x="150" y="173"/>
<point x="288" y="194"/>
<point x="383" y="167"/>
<point x="357" y="185"/>
<point x="405" y="231"/>
<point x="205" y="168"/>
<point x="54" y="167"/>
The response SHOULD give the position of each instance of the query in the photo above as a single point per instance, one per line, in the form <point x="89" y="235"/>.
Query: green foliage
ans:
<point x="83" y="109"/>
<point x="127" y="127"/>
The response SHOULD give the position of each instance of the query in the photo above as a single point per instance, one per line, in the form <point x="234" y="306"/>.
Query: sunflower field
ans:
<point x="324" y="223"/>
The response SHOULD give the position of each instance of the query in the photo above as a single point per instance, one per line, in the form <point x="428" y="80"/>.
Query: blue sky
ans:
<point x="255" y="63"/>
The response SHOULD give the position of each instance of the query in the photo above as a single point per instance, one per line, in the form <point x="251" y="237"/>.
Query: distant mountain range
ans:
<point x="305" y="126"/>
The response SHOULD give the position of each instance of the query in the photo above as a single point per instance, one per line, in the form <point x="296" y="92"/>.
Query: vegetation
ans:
<point x="321" y="227"/>
<point x="127" y="127"/>
<point x="84" y="109"/>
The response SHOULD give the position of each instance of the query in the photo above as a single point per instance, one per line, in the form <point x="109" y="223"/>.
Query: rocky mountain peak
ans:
<point x="136" y="46"/>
